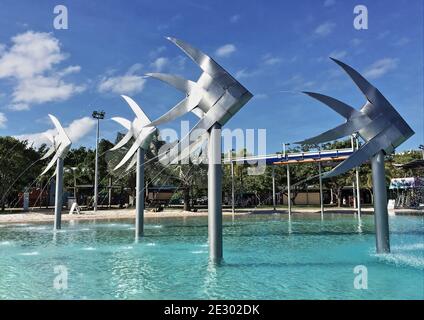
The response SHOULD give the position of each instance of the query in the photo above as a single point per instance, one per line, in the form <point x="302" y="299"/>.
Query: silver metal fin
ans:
<point x="123" y="122"/>
<point x="62" y="134"/>
<point x="137" y="110"/>
<point x="123" y="141"/>
<point x="51" y="163"/>
<point x="132" y="163"/>
<point x="372" y="94"/>
<point x="198" y="112"/>
<point x="140" y="139"/>
<point x="360" y="156"/>
<point x="48" y="153"/>
<point x="338" y="132"/>
<point x="179" y="83"/>
<point x="183" y="107"/>
<point x="50" y="137"/>
<point x="197" y="131"/>
<point x="188" y="150"/>
<point x="340" y="107"/>
<point x="206" y="63"/>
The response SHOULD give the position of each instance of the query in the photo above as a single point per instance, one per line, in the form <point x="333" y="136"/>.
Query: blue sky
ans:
<point x="275" y="48"/>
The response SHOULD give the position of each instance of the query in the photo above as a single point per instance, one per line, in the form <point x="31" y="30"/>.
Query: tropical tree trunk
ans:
<point x="293" y="196"/>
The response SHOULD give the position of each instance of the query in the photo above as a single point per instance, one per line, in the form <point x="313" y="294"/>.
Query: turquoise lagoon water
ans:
<point x="266" y="257"/>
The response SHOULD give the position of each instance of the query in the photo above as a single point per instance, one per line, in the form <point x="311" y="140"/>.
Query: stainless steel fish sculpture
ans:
<point x="214" y="98"/>
<point x="60" y="144"/>
<point x="137" y="129"/>
<point x="377" y="123"/>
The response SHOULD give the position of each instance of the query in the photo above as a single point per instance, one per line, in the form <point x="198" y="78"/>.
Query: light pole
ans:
<point x="422" y="149"/>
<point x="288" y="178"/>
<point x="99" y="115"/>
<point x="273" y="188"/>
<point x="321" y="195"/>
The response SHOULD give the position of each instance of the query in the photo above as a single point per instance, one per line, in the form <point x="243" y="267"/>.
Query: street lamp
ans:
<point x="288" y="178"/>
<point x="99" y="115"/>
<point x="422" y="148"/>
<point x="284" y="148"/>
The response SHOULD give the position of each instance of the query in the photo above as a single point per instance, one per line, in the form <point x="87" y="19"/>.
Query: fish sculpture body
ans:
<point x="215" y="98"/>
<point x="138" y="130"/>
<point x="60" y="144"/>
<point x="377" y="123"/>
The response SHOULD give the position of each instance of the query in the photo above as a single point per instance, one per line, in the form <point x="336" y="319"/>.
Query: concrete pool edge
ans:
<point x="47" y="216"/>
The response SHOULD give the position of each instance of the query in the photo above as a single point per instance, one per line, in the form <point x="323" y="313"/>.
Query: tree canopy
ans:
<point x="20" y="166"/>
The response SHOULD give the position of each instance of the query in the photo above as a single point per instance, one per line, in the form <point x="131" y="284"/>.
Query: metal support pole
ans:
<point x="139" y="197"/>
<point x="321" y="197"/>
<point x="358" y="193"/>
<point x="232" y="185"/>
<point x="96" y="164"/>
<point x="273" y="187"/>
<point x="288" y="189"/>
<point x="215" y="194"/>
<point x="354" y="194"/>
<point x="352" y="141"/>
<point x="358" y="186"/>
<point x="381" y="215"/>
<point x="58" y="195"/>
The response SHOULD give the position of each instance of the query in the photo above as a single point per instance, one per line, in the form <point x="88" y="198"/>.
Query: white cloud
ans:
<point x="69" y="70"/>
<point x="329" y="3"/>
<point x="235" y="18"/>
<point x="3" y="120"/>
<point x="270" y="60"/>
<point x="135" y="68"/>
<point x="129" y="83"/>
<point x="39" y="89"/>
<point x="325" y="29"/>
<point x="76" y="130"/>
<point x="31" y="62"/>
<point x="126" y="84"/>
<point x="179" y="62"/>
<point x="159" y="64"/>
<point x="380" y="68"/>
<point x="157" y="51"/>
<point x="244" y="73"/>
<point x="32" y="53"/>
<point x="225" y="50"/>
